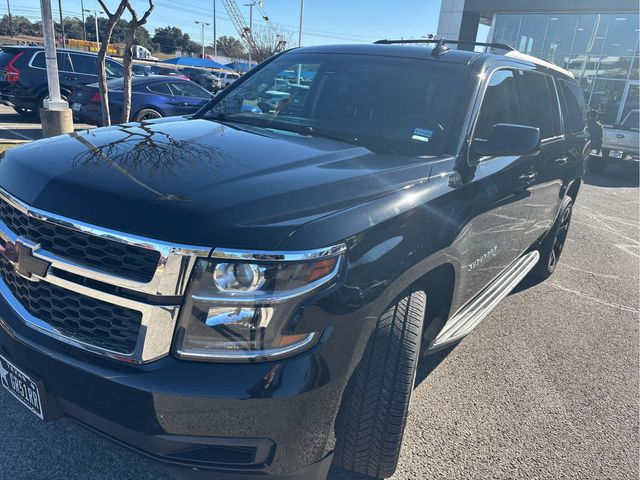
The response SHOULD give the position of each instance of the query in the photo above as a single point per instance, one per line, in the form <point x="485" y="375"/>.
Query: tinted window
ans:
<point x="539" y="104"/>
<point x="499" y="105"/>
<point x="573" y="105"/>
<point x="358" y="99"/>
<point x="631" y="122"/>
<point x="161" y="88"/>
<point x="84" y="64"/>
<point x="39" y="61"/>
<point x="187" y="89"/>
<point x="114" y="69"/>
<point x="64" y="62"/>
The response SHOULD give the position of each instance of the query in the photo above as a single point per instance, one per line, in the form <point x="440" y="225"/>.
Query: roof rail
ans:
<point x="441" y="42"/>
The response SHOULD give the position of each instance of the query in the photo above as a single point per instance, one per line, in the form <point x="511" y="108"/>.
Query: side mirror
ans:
<point x="508" y="139"/>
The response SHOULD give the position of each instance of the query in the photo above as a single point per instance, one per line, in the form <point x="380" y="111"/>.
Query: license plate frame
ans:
<point x="22" y="386"/>
<point x="76" y="107"/>
<point x="616" y="154"/>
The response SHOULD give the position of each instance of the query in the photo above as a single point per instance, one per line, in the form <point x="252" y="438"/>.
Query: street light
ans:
<point x="95" y="18"/>
<point x="84" y="26"/>
<point x="251" y="5"/>
<point x="204" y="24"/>
<point x="215" y="34"/>
<point x="301" y="23"/>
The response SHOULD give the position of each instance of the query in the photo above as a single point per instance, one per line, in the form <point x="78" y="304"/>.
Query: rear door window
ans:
<point x="499" y="105"/>
<point x="161" y="88"/>
<point x="539" y="104"/>
<point x="84" y="64"/>
<point x="574" y="107"/>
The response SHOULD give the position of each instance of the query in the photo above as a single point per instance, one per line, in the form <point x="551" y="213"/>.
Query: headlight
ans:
<point x="239" y="305"/>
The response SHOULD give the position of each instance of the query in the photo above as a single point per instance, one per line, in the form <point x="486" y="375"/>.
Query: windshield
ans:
<point x="388" y="104"/>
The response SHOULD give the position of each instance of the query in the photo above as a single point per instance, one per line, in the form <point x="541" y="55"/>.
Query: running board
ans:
<point x="469" y="316"/>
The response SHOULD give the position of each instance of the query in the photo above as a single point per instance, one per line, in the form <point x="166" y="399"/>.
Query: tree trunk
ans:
<point x="127" y="58"/>
<point x="102" y="54"/>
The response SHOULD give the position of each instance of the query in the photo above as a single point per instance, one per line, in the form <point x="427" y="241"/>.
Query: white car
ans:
<point x="227" y="78"/>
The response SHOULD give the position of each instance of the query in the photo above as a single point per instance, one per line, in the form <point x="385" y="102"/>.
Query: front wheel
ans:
<point x="147" y="114"/>
<point x="553" y="244"/>
<point x="371" y="420"/>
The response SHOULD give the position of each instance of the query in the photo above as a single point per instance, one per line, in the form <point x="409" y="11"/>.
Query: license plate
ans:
<point x="20" y="386"/>
<point x="615" y="154"/>
<point x="76" y="107"/>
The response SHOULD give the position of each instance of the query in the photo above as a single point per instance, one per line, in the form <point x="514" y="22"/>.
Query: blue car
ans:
<point x="154" y="96"/>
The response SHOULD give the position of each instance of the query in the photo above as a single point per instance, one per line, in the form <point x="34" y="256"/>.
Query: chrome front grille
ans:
<point x="98" y="305"/>
<point x="95" y="252"/>
<point x="74" y="315"/>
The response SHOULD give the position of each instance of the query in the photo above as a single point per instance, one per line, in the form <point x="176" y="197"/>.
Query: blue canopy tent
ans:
<point x="241" y="66"/>
<point x="195" y="62"/>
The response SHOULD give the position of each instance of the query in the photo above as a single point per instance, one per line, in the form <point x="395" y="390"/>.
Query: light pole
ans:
<point x="204" y="24"/>
<point x="95" y="19"/>
<point x="84" y="26"/>
<point x="55" y="116"/>
<point x="250" y="5"/>
<point x="64" y="41"/>
<point x="215" y="34"/>
<point x="301" y="23"/>
<point x="10" y="19"/>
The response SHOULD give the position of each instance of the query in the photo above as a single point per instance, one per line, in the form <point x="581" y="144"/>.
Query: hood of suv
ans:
<point x="200" y="182"/>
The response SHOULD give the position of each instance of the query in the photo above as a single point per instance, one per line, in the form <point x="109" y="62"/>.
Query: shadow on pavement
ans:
<point x="614" y="176"/>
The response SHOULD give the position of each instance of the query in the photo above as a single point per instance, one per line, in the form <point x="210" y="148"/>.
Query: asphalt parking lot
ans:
<point x="546" y="387"/>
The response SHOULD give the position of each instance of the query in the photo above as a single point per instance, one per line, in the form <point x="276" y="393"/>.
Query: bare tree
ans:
<point x="269" y="42"/>
<point x="112" y="19"/>
<point x="127" y="56"/>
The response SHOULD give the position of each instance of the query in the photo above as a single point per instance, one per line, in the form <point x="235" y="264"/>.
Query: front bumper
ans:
<point x="267" y="420"/>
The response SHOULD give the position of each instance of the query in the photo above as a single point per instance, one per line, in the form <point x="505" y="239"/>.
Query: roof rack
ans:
<point x="440" y="43"/>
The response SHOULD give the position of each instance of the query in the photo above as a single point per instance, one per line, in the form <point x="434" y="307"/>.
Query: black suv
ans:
<point x="245" y="292"/>
<point x="203" y="77"/>
<point x="23" y="75"/>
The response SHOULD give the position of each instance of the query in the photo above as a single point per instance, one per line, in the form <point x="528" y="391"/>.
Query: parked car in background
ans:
<point x="23" y="75"/>
<point x="140" y="69"/>
<point x="154" y="96"/>
<point x="167" y="71"/>
<point x="227" y="78"/>
<point x="620" y="144"/>
<point x="204" y="78"/>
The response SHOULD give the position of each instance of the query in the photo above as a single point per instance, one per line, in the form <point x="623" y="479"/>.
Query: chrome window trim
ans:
<point x="171" y="267"/>
<point x="278" y="256"/>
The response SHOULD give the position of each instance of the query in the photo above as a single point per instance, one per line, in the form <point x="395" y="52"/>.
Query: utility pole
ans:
<point x="204" y="24"/>
<point x="301" y="23"/>
<point x="55" y="116"/>
<point x="84" y="26"/>
<point x="10" y="19"/>
<point x="250" y="5"/>
<point x="95" y="19"/>
<point x="64" y="41"/>
<point x="215" y="33"/>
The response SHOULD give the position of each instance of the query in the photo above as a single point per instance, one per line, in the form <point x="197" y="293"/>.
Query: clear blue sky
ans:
<point x="326" y="21"/>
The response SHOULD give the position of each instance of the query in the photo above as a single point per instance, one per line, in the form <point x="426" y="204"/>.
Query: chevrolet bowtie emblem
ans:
<point x="23" y="261"/>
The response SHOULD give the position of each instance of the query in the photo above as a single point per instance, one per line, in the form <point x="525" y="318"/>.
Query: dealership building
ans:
<point x="597" y="40"/>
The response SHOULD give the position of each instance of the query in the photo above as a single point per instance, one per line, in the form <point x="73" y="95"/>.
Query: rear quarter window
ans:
<point x="38" y="60"/>
<point x="573" y="105"/>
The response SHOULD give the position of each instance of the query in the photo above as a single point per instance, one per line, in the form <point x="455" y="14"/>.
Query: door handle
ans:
<point x="528" y="177"/>
<point x="620" y="135"/>
<point x="561" y="161"/>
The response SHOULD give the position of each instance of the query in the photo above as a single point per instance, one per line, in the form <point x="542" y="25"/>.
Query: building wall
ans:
<point x="450" y="19"/>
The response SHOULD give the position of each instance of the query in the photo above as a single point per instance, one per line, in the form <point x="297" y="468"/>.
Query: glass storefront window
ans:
<point x="635" y="73"/>
<point x="532" y="33"/>
<point x="622" y="35"/>
<point x="631" y="102"/>
<point x="506" y="29"/>
<point x="615" y="67"/>
<point x="606" y="97"/>
<point x="560" y="32"/>
<point x="585" y="33"/>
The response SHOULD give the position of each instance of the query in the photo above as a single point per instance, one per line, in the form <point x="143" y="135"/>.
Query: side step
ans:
<point x="470" y="315"/>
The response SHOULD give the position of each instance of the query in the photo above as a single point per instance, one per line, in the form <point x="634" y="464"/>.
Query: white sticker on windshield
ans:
<point x="422" y="134"/>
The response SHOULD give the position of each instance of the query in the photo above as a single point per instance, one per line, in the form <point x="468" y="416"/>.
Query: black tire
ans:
<point x="147" y="114"/>
<point x="553" y="244"/>
<point x="372" y="417"/>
